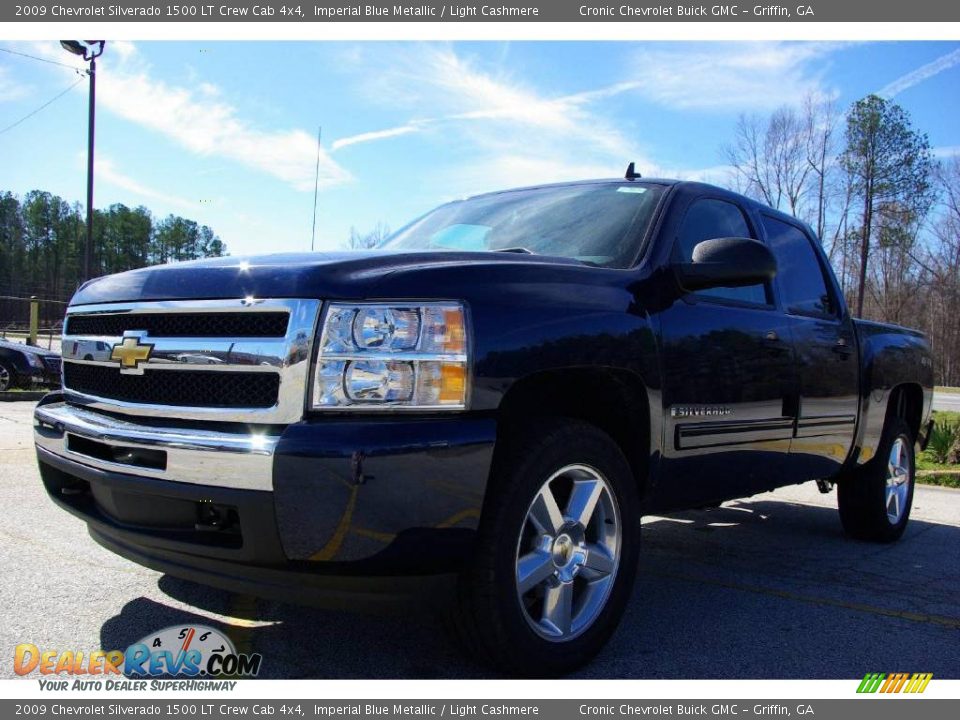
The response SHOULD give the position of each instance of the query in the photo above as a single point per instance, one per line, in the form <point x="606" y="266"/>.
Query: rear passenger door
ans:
<point x="825" y="346"/>
<point x="729" y="379"/>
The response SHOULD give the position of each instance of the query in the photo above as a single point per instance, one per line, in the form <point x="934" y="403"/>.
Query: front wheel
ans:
<point x="557" y="552"/>
<point x="875" y="500"/>
<point x="8" y="377"/>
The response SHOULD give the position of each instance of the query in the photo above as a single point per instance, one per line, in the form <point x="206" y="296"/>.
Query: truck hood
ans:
<point x="351" y="274"/>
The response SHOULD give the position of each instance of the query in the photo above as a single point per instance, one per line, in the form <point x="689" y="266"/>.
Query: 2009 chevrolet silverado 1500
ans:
<point x="497" y="395"/>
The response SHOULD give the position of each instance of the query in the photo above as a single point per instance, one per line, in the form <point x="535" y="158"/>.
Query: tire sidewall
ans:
<point x="862" y="496"/>
<point x="899" y="430"/>
<point x="11" y="375"/>
<point x="592" y="448"/>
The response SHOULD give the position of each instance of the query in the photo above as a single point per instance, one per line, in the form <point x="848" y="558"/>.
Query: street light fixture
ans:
<point x="89" y="50"/>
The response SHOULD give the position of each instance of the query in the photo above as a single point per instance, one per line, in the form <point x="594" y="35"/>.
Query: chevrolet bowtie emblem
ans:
<point x="131" y="352"/>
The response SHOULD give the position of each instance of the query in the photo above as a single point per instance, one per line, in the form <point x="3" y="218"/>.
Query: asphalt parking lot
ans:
<point x="763" y="588"/>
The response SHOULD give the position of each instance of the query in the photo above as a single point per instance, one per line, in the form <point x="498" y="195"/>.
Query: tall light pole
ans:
<point x="89" y="50"/>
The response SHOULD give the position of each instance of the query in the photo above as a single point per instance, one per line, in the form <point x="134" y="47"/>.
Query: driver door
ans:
<point x="729" y="377"/>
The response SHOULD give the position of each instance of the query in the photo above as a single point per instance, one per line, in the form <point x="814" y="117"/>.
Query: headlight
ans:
<point x="34" y="360"/>
<point x="378" y="356"/>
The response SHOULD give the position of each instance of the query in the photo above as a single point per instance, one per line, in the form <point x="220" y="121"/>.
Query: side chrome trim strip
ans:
<point x="200" y="457"/>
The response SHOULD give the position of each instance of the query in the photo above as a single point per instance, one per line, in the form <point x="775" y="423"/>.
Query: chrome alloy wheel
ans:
<point x="5" y="379"/>
<point x="567" y="560"/>
<point x="898" y="480"/>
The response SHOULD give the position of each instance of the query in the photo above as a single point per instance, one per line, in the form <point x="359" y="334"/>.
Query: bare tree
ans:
<point x="871" y="194"/>
<point x="770" y="158"/>
<point x="373" y="239"/>
<point x="819" y="129"/>
<point x="941" y="266"/>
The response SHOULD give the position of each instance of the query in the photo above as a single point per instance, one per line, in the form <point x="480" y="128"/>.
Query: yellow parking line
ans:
<point x="460" y="517"/>
<point x="330" y="550"/>
<point x="949" y="622"/>
<point x="373" y="534"/>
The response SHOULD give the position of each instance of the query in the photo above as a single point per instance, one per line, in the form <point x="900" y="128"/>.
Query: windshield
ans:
<point x="600" y="224"/>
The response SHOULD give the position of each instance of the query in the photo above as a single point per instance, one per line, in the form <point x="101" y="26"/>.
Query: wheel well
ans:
<point x="615" y="401"/>
<point x="906" y="402"/>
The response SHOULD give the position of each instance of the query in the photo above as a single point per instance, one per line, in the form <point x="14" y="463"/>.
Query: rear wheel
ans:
<point x="557" y="552"/>
<point x="875" y="500"/>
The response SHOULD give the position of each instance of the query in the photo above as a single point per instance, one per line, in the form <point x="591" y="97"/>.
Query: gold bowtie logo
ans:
<point x="130" y="353"/>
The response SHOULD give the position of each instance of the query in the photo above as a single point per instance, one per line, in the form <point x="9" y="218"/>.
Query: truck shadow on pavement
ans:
<point x="753" y="589"/>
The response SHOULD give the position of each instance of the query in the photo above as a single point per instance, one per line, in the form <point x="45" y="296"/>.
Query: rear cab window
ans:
<point x="801" y="276"/>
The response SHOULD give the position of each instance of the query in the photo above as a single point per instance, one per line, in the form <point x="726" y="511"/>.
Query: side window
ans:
<point x="799" y="272"/>
<point x="708" y="219"/>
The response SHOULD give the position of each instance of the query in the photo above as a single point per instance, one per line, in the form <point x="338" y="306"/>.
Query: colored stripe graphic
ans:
<point x="894" y="683"/>
<point x="918" y="682"/>
<point x="870" y="683"/>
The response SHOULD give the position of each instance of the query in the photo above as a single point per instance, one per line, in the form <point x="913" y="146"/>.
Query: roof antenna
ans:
<point x="631" y="174"/>
<point x="316" y="187"/>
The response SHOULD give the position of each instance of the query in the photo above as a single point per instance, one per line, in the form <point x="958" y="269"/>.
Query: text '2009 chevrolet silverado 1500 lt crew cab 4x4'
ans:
<point x="495" y="396"/>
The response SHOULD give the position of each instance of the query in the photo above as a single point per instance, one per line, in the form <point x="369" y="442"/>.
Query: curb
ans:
<point x="27" y="395"/>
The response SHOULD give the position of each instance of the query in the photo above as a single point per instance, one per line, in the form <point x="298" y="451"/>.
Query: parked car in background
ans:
<point x="22" y="366"/>
<point x="197" y="359"/>
<point x="89" y="349"/>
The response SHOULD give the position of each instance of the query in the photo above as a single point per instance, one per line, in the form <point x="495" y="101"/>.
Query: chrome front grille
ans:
<point x="183" y="389"/>
<point x="186" y="324"/>
<point x="222" y="360"/>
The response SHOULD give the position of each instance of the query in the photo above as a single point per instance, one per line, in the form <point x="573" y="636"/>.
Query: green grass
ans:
<point x="926" y="464"/>
<point x="944" y="474"/>
<point x="940" y="479"/>
<point x="948" y="390"/>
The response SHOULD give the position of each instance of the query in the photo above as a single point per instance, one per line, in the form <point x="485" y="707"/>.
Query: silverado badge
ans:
<point x="686" y="411"/>
<point x="130" y="352"/>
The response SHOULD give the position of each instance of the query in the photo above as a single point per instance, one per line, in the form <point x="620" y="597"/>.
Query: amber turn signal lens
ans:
<point x="456" y="340"/>
<point x="453" y="383"/>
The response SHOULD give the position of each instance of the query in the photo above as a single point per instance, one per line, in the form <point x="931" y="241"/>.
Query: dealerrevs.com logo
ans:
<point x="191" y="651"/>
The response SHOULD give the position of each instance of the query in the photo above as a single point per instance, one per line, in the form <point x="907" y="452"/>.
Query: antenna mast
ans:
<point x="316" y="187"/>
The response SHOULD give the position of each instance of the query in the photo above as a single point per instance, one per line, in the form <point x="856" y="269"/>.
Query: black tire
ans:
<point x="490" y="615"/>
<point x="862" y="495"/>
<point x="8" y="377"/>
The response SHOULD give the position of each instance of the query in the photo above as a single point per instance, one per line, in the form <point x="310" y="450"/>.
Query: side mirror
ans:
<point x="727" y="262"/>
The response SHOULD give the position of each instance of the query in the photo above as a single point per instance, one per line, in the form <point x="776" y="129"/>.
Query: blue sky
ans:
<point x="225" y="132"/>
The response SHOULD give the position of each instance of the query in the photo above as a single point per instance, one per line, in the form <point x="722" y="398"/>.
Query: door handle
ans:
<point x="841" y="347"/>
<point x="773" y="344"/>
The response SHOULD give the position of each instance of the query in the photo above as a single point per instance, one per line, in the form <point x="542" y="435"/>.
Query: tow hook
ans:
<point x="824" y="486"/>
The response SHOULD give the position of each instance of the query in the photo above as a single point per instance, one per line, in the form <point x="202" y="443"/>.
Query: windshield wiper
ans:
<point x="519" y="250"/>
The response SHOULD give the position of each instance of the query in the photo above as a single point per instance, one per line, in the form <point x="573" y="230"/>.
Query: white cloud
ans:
<point x="738" y="77"/>
<point x="207" y="126"/>
<point x="376" y="135"/>
<point x="922" y="73"/>
<point x="947" y="151"/>
<point x="201" y="119"/>
<point x="10" y="89"/>
<point x="519" y="135"/>
<point x="517" y="170"/>
<point x="504" y="121"/>
<point x="108" y="172"/>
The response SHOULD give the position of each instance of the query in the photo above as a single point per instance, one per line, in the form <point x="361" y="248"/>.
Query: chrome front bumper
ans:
<point x="201" y="457"/>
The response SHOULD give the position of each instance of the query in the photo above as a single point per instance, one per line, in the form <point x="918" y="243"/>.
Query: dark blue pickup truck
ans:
<point x="488" y="404"/>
